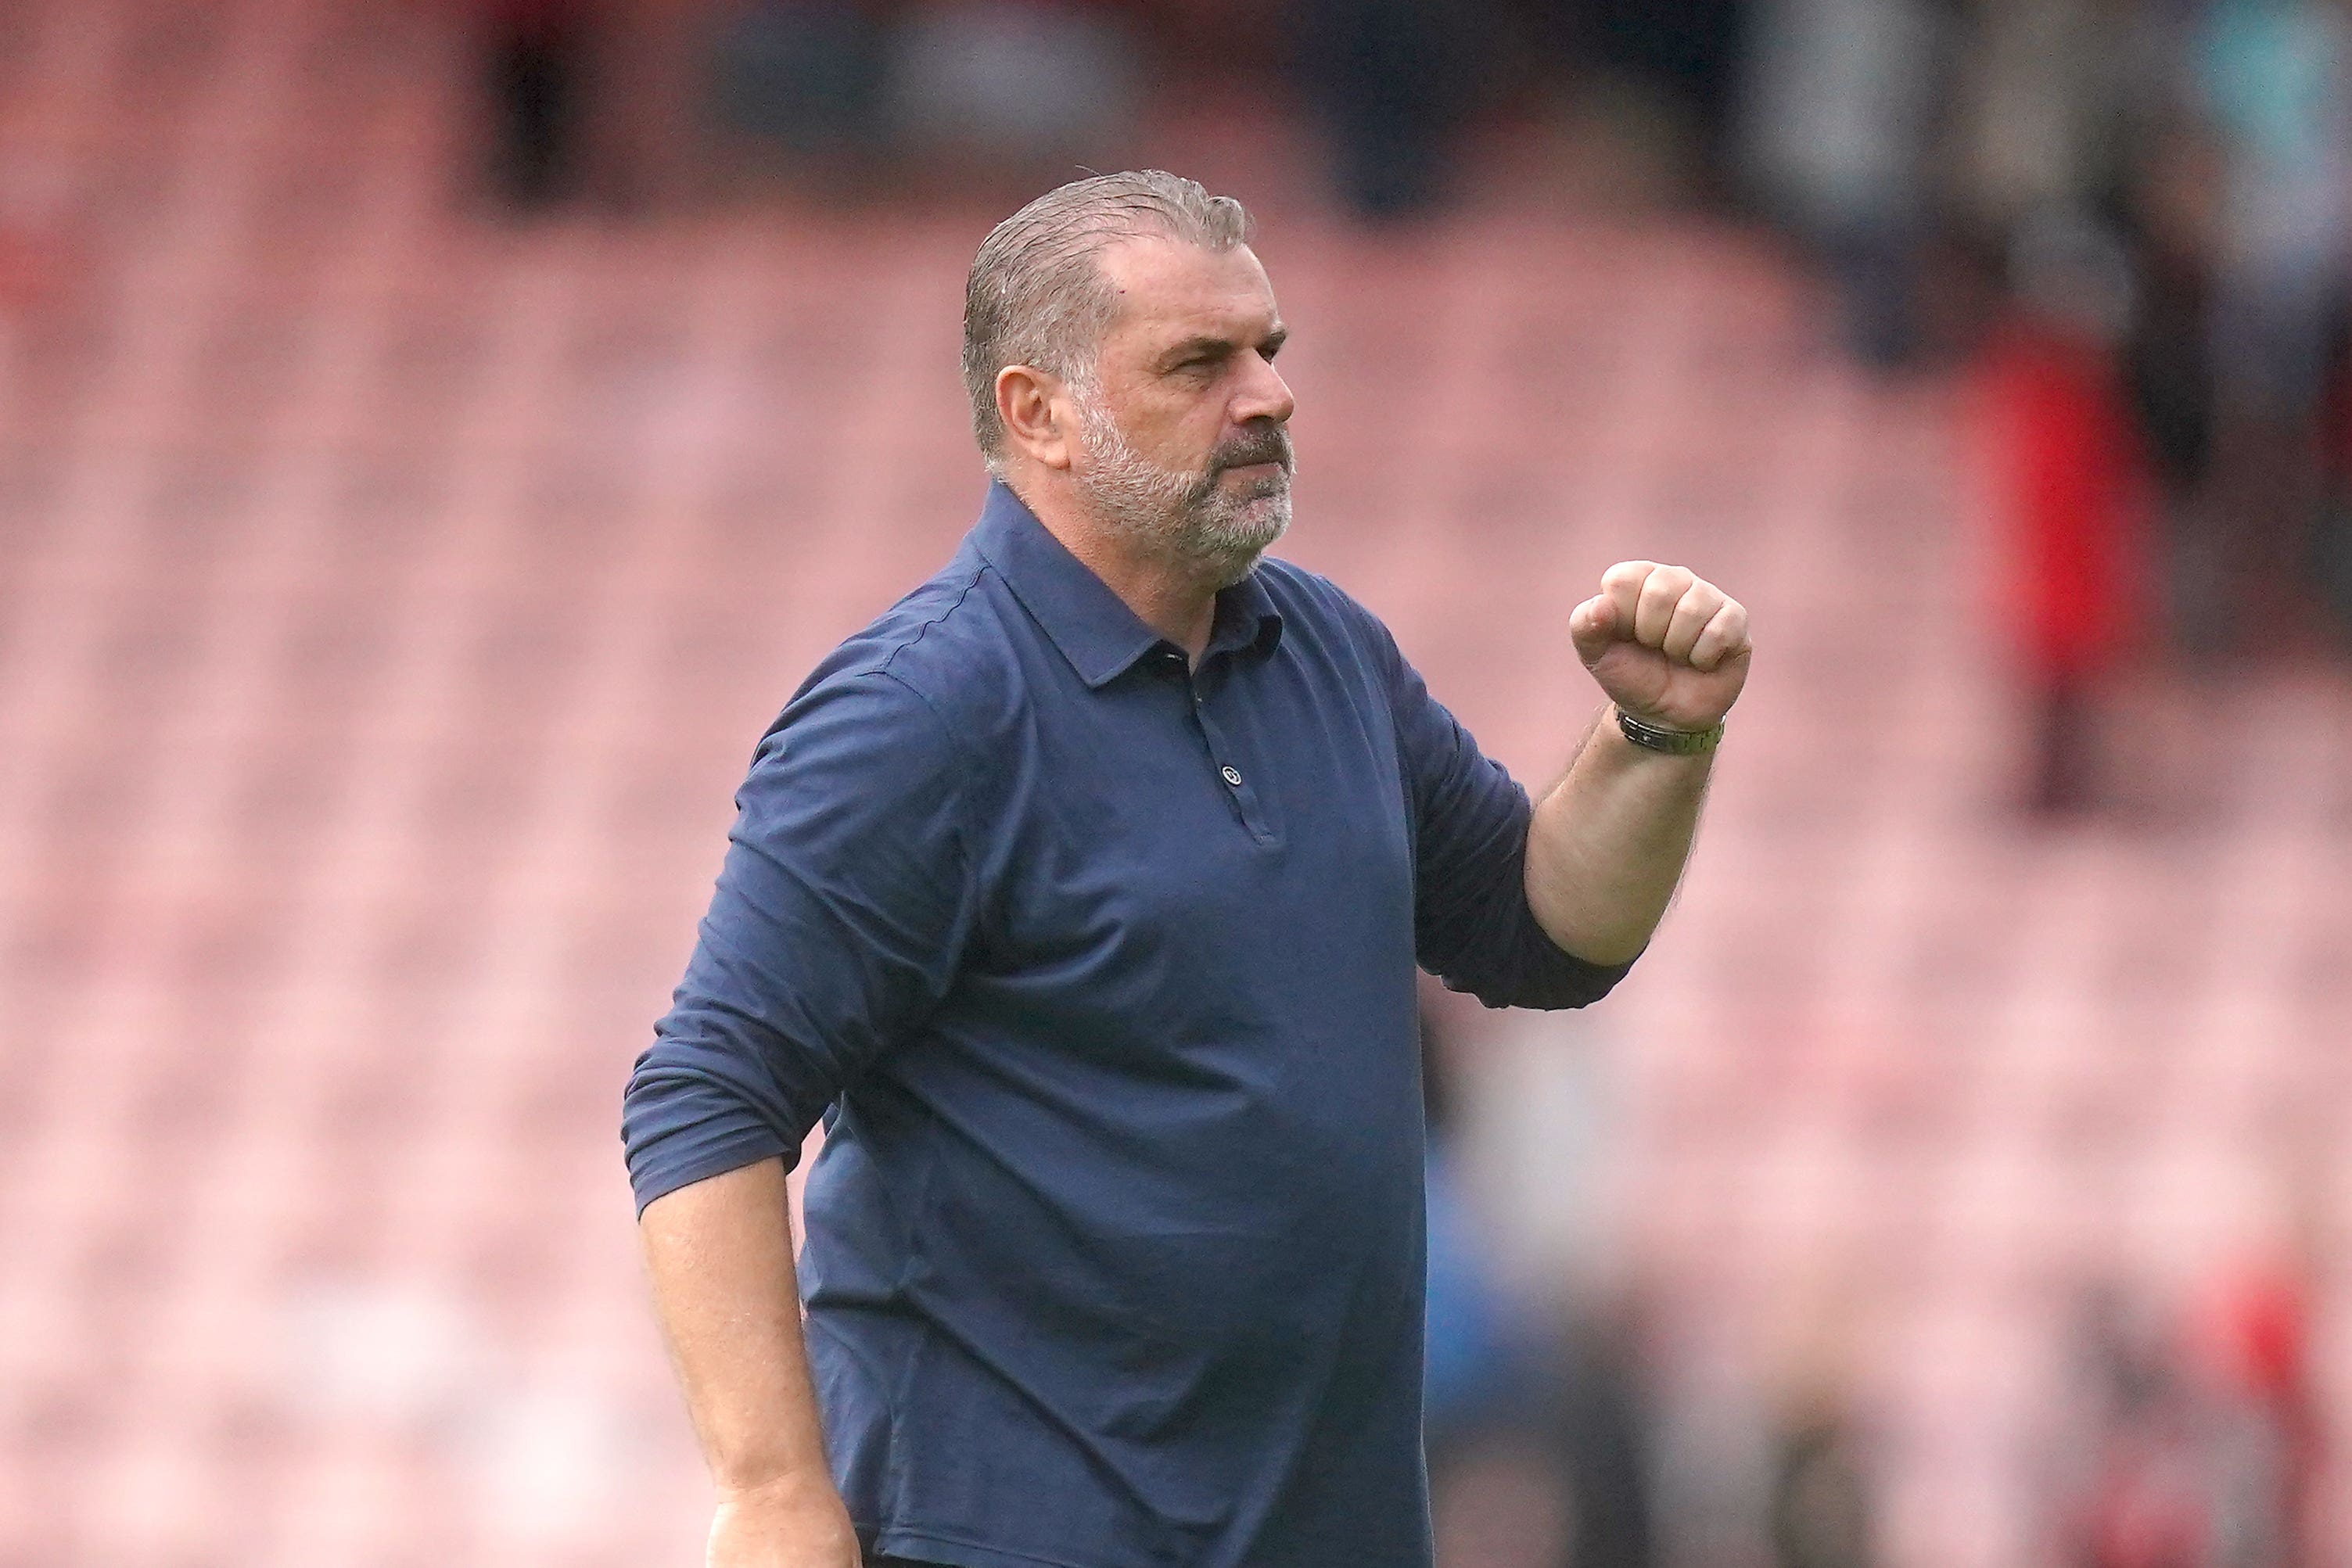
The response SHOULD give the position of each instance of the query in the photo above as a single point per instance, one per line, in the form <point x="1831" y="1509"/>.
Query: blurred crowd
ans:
<point x="1574" y="1424"/>
<point x="2195" y="1440"/>
<point x="2161" y="192"/>
<point x="2118" y="229"/>
<point x="2123" y="227"/>
<point x="2134" y="217"/>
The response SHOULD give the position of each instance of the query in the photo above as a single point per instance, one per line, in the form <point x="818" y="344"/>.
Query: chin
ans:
<point x="1268" y="518"/>
<point x="1231" y="570"/>
<point x="1244" y="543"/>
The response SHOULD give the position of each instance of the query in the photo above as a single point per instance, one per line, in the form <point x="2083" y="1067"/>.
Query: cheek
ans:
<point x="1179" y="432"/>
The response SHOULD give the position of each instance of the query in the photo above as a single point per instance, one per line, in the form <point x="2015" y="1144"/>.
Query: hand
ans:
<point x="782" y="1526"/>
<point x="1670" y="648"/>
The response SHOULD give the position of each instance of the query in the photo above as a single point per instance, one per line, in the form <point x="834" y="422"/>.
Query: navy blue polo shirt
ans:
<point x="1100" y="968"/>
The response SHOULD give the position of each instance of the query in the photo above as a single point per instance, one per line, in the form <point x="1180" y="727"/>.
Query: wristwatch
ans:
<point x="1673" y="742"/>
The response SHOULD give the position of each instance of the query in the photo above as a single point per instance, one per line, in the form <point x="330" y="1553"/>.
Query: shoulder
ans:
<point x="1320" y="612"/>
<point x="908" y="677"/>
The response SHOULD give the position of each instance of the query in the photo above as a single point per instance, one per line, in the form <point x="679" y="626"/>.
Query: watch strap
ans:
<point x="1673" y="742"/>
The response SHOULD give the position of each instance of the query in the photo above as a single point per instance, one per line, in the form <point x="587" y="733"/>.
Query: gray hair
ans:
<point x="1035" y="295"/>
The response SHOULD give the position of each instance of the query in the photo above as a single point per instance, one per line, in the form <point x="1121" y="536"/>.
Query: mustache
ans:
<point x="1269" y="444"/>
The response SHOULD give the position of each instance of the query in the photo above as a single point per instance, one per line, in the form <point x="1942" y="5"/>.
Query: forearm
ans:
<point x="720" y="1253"/>
<point x="1608" y="844"/>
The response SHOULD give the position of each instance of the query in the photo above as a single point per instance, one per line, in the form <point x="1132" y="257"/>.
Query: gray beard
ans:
<point x="1187" y="518"/>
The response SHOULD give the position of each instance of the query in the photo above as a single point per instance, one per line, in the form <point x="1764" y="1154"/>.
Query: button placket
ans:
<point x="1238" y="791"/>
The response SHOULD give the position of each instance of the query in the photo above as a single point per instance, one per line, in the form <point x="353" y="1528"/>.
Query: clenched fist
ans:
<point x="1669" y="647"/>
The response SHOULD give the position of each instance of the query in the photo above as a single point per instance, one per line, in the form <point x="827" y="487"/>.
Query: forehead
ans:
<point x="1169" y="289"/>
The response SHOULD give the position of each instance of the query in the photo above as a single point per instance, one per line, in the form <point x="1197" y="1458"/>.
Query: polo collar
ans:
<point x="1093" y="627"/>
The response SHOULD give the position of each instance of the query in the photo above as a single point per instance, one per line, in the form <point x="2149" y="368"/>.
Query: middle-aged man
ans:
<point x="1082" y="895"/>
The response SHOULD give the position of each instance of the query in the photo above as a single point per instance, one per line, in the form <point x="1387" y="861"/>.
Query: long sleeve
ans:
<point x="1472" y="925"/>
<point x="837" y="923"/>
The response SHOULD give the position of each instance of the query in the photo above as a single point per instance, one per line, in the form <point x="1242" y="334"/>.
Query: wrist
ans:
<point x="793" y="1490"/>
<point x="759" y="1527"/>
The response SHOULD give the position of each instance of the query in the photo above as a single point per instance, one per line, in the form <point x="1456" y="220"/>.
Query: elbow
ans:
<point x="1553" y="975"/>
<point x="1567" y="979"/>
<point x="682" y="1122"/>
<point x="1612" y="950"/>
<point x="1529" y="969"/>
<point x="1601" y="932"/>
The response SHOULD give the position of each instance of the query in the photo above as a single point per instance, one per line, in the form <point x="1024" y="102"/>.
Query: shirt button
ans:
<point x="1233" y="776"/>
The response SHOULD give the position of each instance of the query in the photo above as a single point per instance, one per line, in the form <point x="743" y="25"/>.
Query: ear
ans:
<point x="1038" y="418"/>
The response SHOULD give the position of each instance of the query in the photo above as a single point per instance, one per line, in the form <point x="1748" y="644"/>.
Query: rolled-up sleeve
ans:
<point x="1472" y="925"/>
<point x="839" y="917"/>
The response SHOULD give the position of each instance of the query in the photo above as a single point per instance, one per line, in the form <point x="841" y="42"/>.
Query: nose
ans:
<point x="1263" y="394"/>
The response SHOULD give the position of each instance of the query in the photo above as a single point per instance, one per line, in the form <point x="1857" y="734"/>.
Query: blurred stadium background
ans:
<point x="435" y="437"/>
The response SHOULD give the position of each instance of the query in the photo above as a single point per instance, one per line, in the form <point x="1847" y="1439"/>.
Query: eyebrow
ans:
<point x="1220" y="348"/>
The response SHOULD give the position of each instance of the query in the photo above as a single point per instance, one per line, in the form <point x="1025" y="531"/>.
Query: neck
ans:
<point x="1174" y="597"/>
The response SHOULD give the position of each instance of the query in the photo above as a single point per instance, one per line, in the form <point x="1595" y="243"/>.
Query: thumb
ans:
<point x="1594" y="626"/>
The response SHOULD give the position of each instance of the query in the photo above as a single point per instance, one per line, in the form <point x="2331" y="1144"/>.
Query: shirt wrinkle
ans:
<point x="891" y="658"/>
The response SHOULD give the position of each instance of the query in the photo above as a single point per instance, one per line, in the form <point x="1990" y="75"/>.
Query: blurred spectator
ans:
<point x="804" y="77"/>
<point x="1497" y="1500"/>
<point x="1025" y="87"/>
<point x="1820" y="1499"/>
<point x="2141" y="1496"/>
<point x="537" y="56"/>
<point x="927" y="99"/>
<point x="1688" y="53"/>
<point x="1843" y="102"/>
<point x="2332" y="558"/>
<point x="2039" y="87"/>
<point x="1820" y="1514"/>
<point x="932" y="95"/>
<point x="1474" y="1360"/>
<point x="2276" y="76"/>
<point x="1470" y="1351"/>
<point x="1518" y="1150"/>
<point x="2275" y="73"/>
<point x="1608" y="1436"/>
<point x="2168" y="364"/>
<point x="2201" y="1450"/>
<point x="1659" y="78"/>
<point x="2255" y="1342"/>
<point x="2069" y="492"/>
<point x="1714" y="1471"/>
<point x="1389" y="80"/>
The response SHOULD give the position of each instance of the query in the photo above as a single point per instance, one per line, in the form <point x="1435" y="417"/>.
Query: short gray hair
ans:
<point x="1035" y="295"/>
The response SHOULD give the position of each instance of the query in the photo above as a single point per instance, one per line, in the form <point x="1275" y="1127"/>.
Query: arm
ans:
<point x="1607" y="846"/>
<point x="837" y="923"/>
<point x="1475" y="927"/>
<point x="720" y="1256"/>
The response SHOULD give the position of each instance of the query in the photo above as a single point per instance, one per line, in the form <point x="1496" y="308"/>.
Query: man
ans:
<point x="1082" y="895"/>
